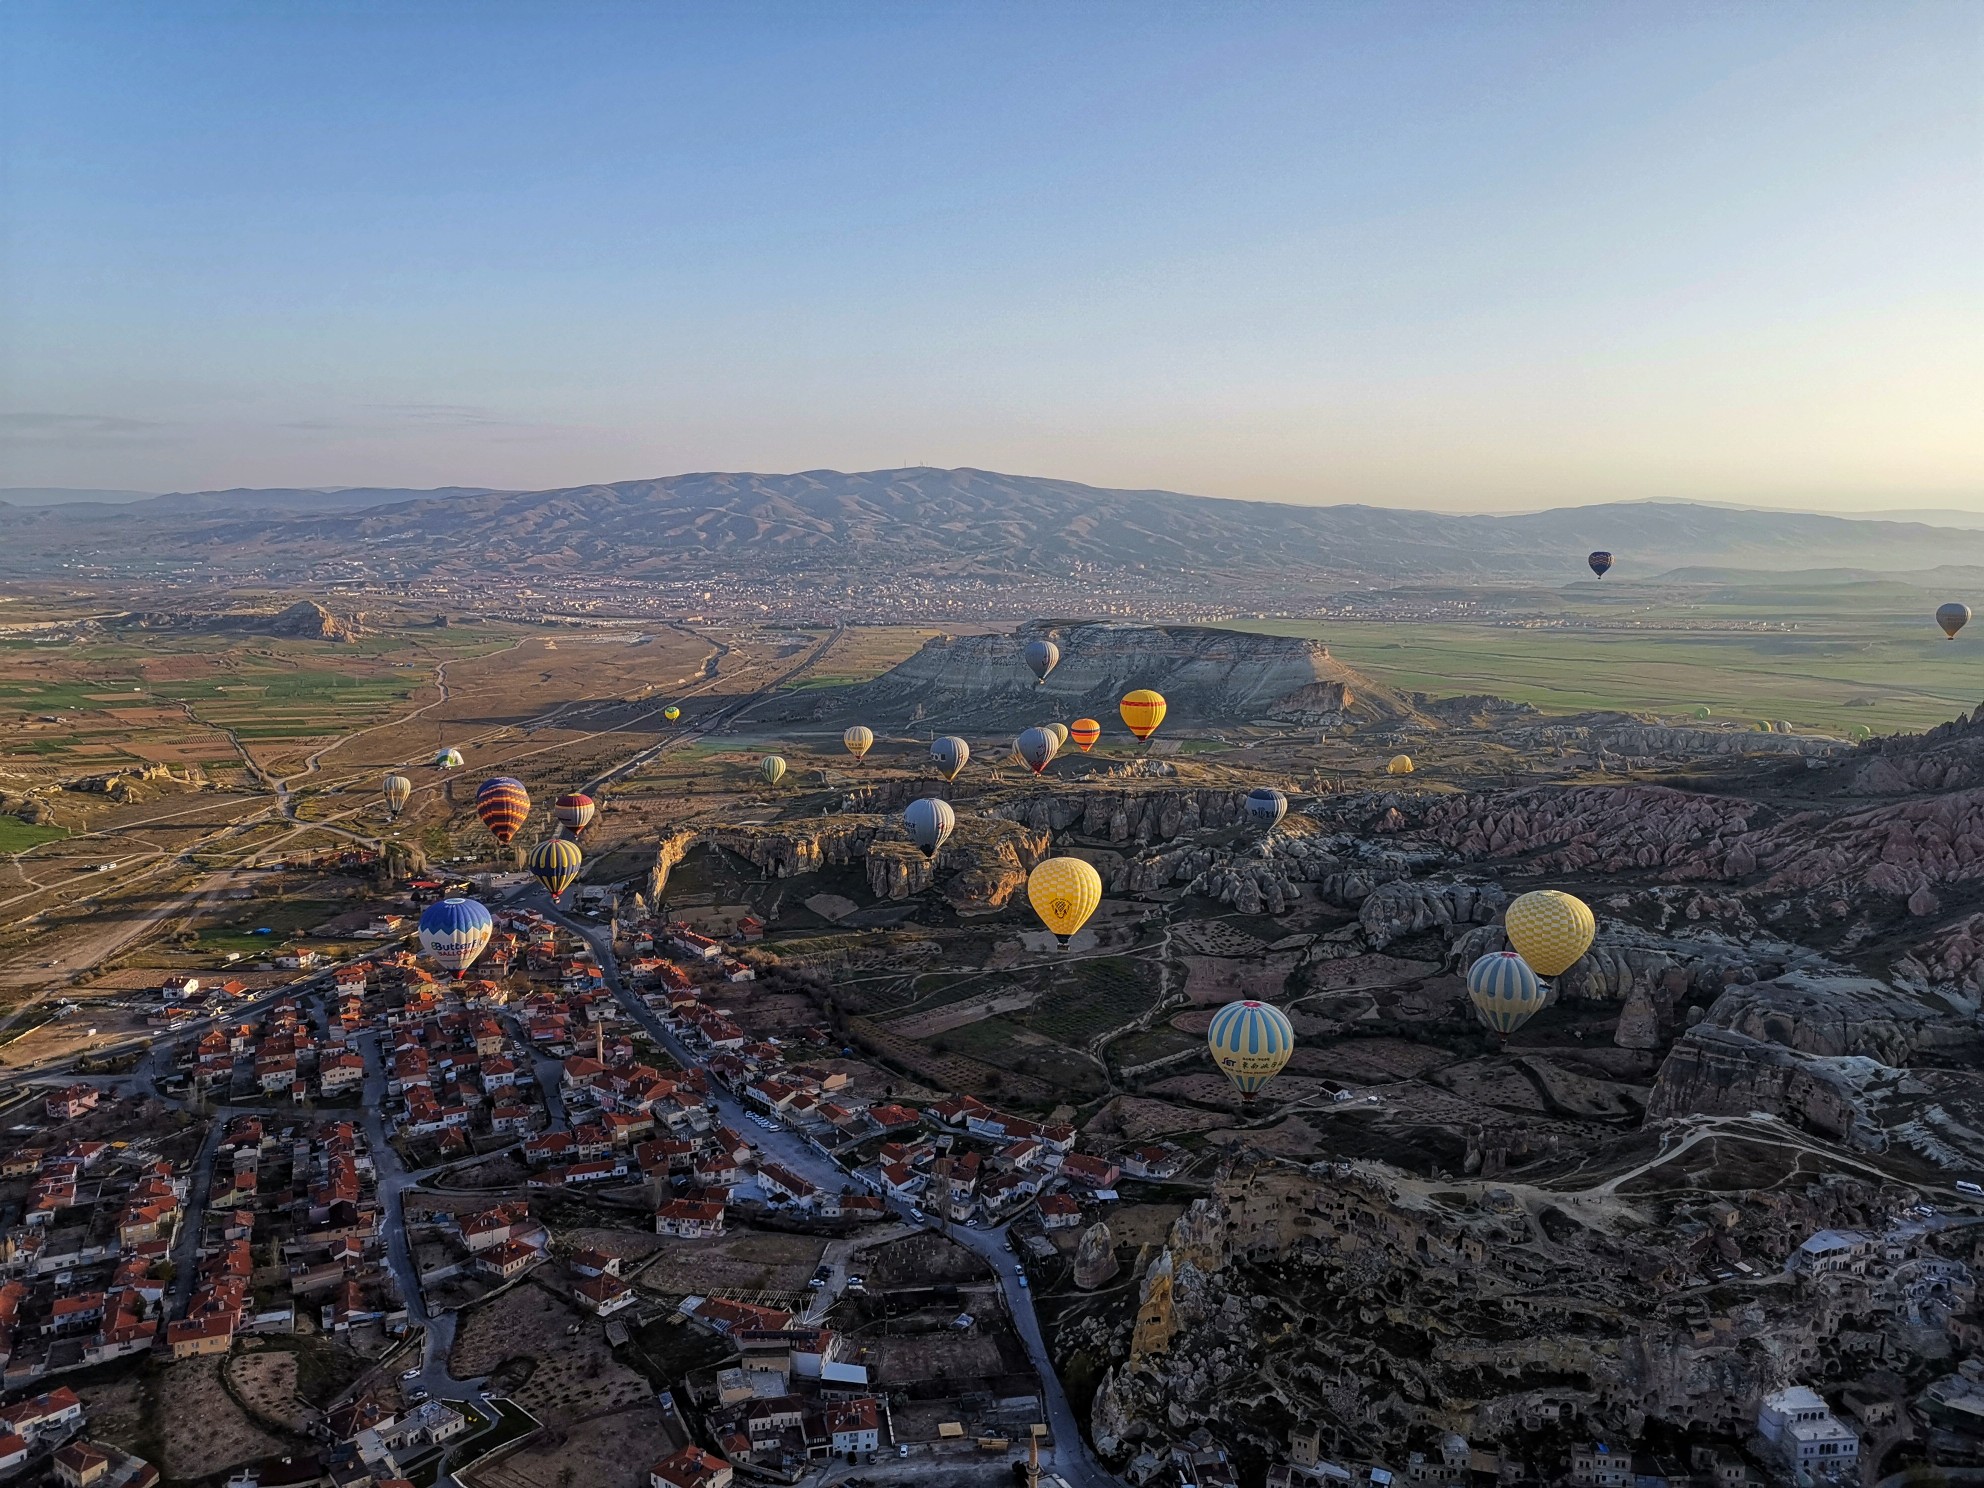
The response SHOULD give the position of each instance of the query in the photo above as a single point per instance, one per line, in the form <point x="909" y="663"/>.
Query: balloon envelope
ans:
<point x="455" y="931"/>
<point x="1142" y="711"/>
<point x="396" y="789"/>
<point x="671" y="713"/>
<point x="930" y="823"/>
<point x="1266" y="806"/>
<point x="1550" y="930"/>
<point x="1599" y="563"/>
<point x="555" y="864"/>
<point x="1952" y="618"/>
<point x="1250" y="1042"/>
<point x="1064" y="892"/>
<point x="1399" y="764"/>
<point x="950" y="754"/>
<point x="1084" y="732"/>
<point x="772" y="768"/>
<point x="448" y="759"/>
<point x="1041" y="658"/>
<point x="575" y="810"/>
<point x="1036" y="748"/>
<point x="858" y="740"/>
<point x="504" y="805"/>
<point x="1060" y="733"/>
<point x="1504" y="991"/>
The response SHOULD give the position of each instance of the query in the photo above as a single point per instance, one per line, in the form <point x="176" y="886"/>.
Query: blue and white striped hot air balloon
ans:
<point x="1505" y="992"/>
<point x="1250" y="1042"/>
<point x="455" y="931"/>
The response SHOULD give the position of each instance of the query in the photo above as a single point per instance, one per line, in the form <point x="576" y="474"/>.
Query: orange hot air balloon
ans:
<point x="504" y="805"/>
<point x="1143" y="711"/>
<point x="1084" y="732"/>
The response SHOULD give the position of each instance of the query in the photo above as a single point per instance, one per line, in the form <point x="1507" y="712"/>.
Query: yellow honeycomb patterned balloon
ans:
<point x="1064" y="893"/>
<point x="1550" y="930"/>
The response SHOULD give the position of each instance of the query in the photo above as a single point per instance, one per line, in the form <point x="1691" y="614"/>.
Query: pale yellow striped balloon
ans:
<point x="1550" y="930"/>
<point x="1064" y="892"/>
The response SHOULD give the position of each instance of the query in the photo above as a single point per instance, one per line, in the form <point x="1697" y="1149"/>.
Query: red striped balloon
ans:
<point x="575" y="811"/>
<point x="504" y="806"/>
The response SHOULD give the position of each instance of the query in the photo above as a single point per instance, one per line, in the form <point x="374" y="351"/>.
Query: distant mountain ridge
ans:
<point x="932" y="522"/>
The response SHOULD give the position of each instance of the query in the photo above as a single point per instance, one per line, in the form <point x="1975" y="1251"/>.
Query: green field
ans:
<point x="18" y="836"/>
<point x="1842" y="655"/>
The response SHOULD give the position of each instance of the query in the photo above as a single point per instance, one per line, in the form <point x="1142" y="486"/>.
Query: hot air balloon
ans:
<point x="672" y="713"/>
<point x="1952" y="617"/>
<point x="454" y="932"/>
<point x="1550" y="930"/>
<point x="1064" y="893"/>
<point x="1084" y="732"/>
<point x="1266" y="806"/>
<point x="448" y="759"/>
<point x="1143" y="711"/>
<point x="1599" y="563"/>
<point x="1703" y="713"/>
<point x="575" y="811"/>
<point x="930" y="822"/>
<point x="1250" y="1042"/>
<point x="772" y="768"/>
<point x="1041" y="658"/>
<point x="396" y="789"/>
<point x="951" y="754"/>
<point x="504" y="805"/>
<point x="1036" y="749"/>
<point x="1399" y="764"/>
<point x="858" y="740"/>
<point x="554" y="863"/>
<point x="1505" y="992"/>
<point x="1060" y="733"/>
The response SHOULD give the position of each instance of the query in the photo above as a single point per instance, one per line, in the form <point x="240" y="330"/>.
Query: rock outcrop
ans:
<point x="1216" y="674"/>
<point x="980" y="869"/>
<point x="1095" y="1258"/>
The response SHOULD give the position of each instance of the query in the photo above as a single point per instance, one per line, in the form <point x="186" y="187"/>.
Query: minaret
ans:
<point x="1033" y="1460"/>
<point x="599" y="1042"/>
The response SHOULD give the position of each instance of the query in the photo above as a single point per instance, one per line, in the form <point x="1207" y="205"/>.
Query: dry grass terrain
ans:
<point x="575" y="1374"/>
<point x="611" y="1450"/>
<point x="201" y="1430"/>
<point x="744" y="1264"/>
<point x="265" y="1380"/>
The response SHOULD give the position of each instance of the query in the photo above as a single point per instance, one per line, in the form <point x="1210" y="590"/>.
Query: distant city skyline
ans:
<point x="1445" y="256"/>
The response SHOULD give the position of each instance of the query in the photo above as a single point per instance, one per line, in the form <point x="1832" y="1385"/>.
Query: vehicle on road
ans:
<point x="413" y="1373"/>
<point x="1964" y="1185"/>
<point x="1023" y="1282"/>
<point x="820" y="1277"/>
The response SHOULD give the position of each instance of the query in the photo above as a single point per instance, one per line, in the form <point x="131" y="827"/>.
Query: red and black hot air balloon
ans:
<point x="575" y="811"/>
<point x="504" y="806"/>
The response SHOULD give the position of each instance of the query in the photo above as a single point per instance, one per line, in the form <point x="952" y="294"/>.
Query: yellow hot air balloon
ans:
<point x="1550" y="930"/>
<point x="772" y="769"/>
<point x="858" y="740"/>
<point x="671" y="713"/>
<point x="1064" y="892"/>
<point x="1401" y="764"/>
<point x="1084" y="731"/>
<point x="1060" y="733"/>
<point x="1143" y="711"/>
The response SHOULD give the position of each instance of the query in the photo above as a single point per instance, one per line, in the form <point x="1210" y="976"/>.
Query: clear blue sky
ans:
<point x="1472" y="254"/>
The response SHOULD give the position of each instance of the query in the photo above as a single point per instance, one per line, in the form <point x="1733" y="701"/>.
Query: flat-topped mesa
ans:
<point x="1204" y="674"/>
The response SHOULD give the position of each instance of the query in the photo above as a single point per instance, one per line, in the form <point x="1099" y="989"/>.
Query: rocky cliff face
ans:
<point x="1948" y="757"/>
<point x="1216" y="674"/>
<point x="1641" y="739"/>
<point x="980" y="869"/>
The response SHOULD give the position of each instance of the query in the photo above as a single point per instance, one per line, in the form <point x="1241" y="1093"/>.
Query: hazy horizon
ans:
<point x="1438" y="256"/>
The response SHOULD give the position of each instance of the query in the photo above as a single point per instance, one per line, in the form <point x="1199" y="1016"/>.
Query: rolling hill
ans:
<point x="930" y="522"/>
